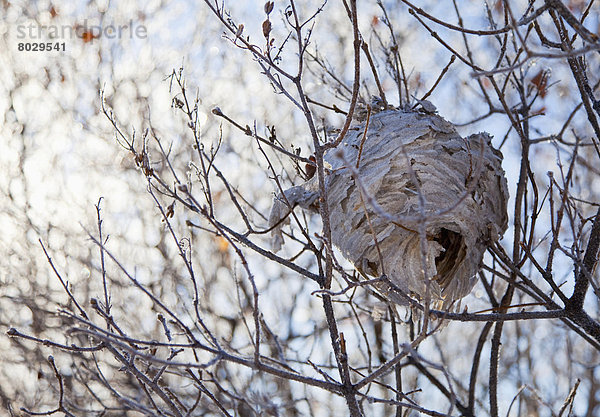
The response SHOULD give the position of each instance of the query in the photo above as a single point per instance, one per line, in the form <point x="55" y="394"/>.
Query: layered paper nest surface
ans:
<point x="412" y="165"/>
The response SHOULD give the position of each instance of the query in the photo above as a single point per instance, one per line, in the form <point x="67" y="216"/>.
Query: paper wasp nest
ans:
<point x="403" y="154"/>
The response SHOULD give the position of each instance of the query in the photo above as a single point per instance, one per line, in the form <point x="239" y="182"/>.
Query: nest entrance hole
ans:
<point x="453" y="254"/>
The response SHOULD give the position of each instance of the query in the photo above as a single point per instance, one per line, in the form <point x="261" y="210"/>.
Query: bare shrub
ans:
<point x="188" y="310"/>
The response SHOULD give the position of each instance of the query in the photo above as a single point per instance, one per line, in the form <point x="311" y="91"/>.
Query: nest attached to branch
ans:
<point x="411" y="169"/>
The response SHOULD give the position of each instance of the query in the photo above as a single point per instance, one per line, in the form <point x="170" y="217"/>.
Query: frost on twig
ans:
<point x="411" y="168"/>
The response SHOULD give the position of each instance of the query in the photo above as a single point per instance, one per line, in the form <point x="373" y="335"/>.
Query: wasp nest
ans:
<point x="410" y="168"/>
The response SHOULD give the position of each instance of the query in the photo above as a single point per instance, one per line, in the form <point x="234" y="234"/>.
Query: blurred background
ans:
<point x="133" y="87"/>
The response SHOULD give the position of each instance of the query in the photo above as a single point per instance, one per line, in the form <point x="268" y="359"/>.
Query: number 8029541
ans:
<point x="41" y="46"/>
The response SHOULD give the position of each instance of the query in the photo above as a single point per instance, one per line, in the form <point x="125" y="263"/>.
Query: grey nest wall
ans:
<point x="414" y="170"/>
